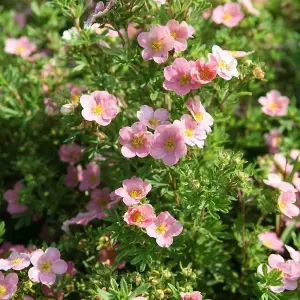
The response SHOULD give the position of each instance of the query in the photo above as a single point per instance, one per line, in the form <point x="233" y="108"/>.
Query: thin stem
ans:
<point x="243" y="210"/>
<point x="12" y="90"/>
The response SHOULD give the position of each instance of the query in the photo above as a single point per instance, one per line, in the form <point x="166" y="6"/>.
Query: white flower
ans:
<point x="70" y="34"/>
<point x="66" y="109"/>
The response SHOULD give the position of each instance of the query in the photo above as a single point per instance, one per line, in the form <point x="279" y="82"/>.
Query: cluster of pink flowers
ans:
<point x="191" y="296"/>
<point x="162" y="227"/>
<point x="290" y="270"/>
<point x="161" y="39"/>
<point x="169" y="140"/>
<point x="46" y="265"/>
<point x="100" y="107"/>
<point x="22" y="46"/>
<point x="274" y="104"/>
<point x="11" y="197"/>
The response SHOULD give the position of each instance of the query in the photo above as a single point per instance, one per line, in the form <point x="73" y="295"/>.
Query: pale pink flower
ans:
<point x="71" y="179"/>
<point x="11" y="196"/>
<point x="249" y="7"/>
<point x="191" y="296"/>
<point x="140" y="215"/>
<point x="152" y="118"/>
<point x="199" y="113"/>
<point x="207" y="13"/>
<point x="46" y="265"/>
<point x="296" y="181"/>
<point x="227" y="64"/>
<point x="204" y="72"/>
<point x="164" y="228"/>
<point x="135" y="140"/>
<point x="21" y="46"/>
<point x="276" y="182"/>
<point x="178" y="77"/>
<point x="194" y="134"/>
<point x="168" y="144"/>
<point x="99" y="200"/>
<point x="273" y="140"/>
<point x="281" y="163"/>
<point x="8" y="285"/>
<point x="229" y="14"/>
<point x="295" y="255"/>
<point x="71" y="270"/>
<point x="139" y="298"/>
<point x="100" y="106"/>
<point x="133" y="190"/>
<point x="26" y="297"/>
<point x="80" y="219"/>
<point x="132" y="31"/>
<point x="90" y="177"/>
<point x="295" y="154"/>
<point x="16" y="261"/>
<point x="271" y="241"/>
<point x="238" y="54"/>
<point x="7" y="247"/>
<point x="160" y="1"/>
<point x="75" y="92"/>
<point x="286" y="206"/>
<point x="51" y="108"/>
<point x="70" y="153"/>
<point x="100" y="6"/>
<point x="156" y="43"/>
<point x="180" y="32"/>
<point x="274" y="104"/>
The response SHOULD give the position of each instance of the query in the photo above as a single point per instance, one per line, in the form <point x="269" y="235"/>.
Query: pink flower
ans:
<point x="152" y="118"/>
<point x="75" y="92"/>
<point x="168" y="144"/>
<point x="100" y="6"/>
<point x="227" y="64"/>
<point x="132" y="31"/>
<point x="26" y="297"/>
<point x="178" y="77"/>
<point x="71" y="270"/>
<point x="72" y="176"/>
<point x="16" y="261"/>
<point x="11" y="196"/>
<point x="207" y="13"/>
<point x="8" y="285"/>
<point x="136" y="140"/>
<point x="199" y="113"/>
<point x="275" y="181"/>
<point x="286" y="206"/>
<point x="295" y="154"/>
<point x="139" y="298"/>
<point x="51" y="108"/>
<point x="21" y="46"/>
<point x="289" y="269"/>
<point x="274" y="104"/>
<point x="296" y="181"/>
<point x="295" y="255"/>
<point x="282" y="164"/>
<point x="273" y="140"/>
<point x="90" y="177"/>
<point x="100" y="106"/>
<point x="230" y="14"/>
<point x="160" y="1"/>
<point x="238" y="54"/>
<point x="46" y="265"/>
<point x="164" y="228"/>
<point x="99" y="200"/>
<point x="191" y="296"/>
<point x="180" y="32"/>
<point x="156" y="43"/>
<point x="133" y="190"/>
<point x="140" y="215"/>
<point x="7" y="247"/>
<point x="249" y="7"/>
<point x="204" y="72"/>
<point x="80" y="219"/>
<point x="271" y="241"/>
<point x="194" y="134"/>
<point x="70" y="153"/>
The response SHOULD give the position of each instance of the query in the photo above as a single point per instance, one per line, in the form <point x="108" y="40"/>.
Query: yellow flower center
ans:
<point x="153" y="122"/>
<point x="137" y="217"/>
<point x="224" y="65"/>
<point x="2" y="290"/>
<point x="161" y="229"/>
<point x="227" y="17"/>
<point x="97" y="110"/>
<point x="204" y="74"/>
<point x="268" y="243"/>
<point x="75" y="98"/>
<point x="20" y="49"/>
<point x="92" y="179"/>
<point x="137" y="142"/>
<point x="233" y="53"/>
<point x="170" y="145"/>
<point x="282" y="205"/>
<point x="46" y="266"/>
<point x="199" y="116"/>
<point x="135" y="194"/>
<point x="156" y="45"/>
<point x="174" y="35"/>
<point x="185" y="79"/>
<point x="273" y="105"/>
<point x="17" y="261"/>
<point x="188" y="132"/>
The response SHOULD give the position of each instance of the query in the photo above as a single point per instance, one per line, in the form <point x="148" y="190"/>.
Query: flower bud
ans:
<point x="258" y="73"/>
<point x="66" y="109"/>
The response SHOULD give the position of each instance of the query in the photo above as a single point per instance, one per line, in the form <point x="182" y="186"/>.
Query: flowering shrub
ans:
<point x="149" y="149"/>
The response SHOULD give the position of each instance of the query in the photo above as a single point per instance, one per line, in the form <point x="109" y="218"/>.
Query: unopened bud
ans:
<point x="258" y="73"/>
<point x="66" y="109"/>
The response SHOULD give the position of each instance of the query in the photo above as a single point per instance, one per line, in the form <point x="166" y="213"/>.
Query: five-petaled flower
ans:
<point x="140" y="215"/>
